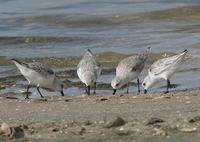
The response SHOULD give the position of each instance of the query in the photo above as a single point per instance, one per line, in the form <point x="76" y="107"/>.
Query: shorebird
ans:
<point x="163" y="69"/>
<point x="39" y="75"/>
<point x="129" y="69"/>
<point x="89" y="70"/>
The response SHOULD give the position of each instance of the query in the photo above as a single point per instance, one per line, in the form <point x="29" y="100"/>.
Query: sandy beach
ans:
<point x="123" y="117"/>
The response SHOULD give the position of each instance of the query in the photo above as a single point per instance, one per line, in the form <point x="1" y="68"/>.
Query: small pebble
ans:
<point x="195" y="119"/>
<point x="115" y="123"/>
<point x="188" y="130"/>
<point x="154" y="120"/>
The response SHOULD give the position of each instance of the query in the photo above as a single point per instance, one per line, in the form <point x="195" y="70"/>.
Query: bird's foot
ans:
<point x="166" y="92"/>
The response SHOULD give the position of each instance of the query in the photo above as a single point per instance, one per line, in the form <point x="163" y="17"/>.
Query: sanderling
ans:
<point x="163" y="69"/>
<point x="39" y="75"/>
<point x="89" y="70"/>
<point x="128" y="69"/>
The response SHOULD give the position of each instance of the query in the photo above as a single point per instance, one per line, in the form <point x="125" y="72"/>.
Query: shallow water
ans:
<point x="67" y="28"/>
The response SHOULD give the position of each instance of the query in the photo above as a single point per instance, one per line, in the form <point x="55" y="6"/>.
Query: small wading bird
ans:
<point x="89" y="70"/>
<point x="129" y="69"/>
<point x="40" y="76"/>
<point x="163" y="69"/>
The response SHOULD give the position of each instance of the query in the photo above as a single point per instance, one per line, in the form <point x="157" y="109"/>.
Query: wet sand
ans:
<point x="128" y="117"/>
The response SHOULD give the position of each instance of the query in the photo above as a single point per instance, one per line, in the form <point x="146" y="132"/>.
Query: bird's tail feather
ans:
<point x="15" y="60"/>
<point x="18" y="62"/>
<point x="185" y="51"/>
<point x="180" y="57"/>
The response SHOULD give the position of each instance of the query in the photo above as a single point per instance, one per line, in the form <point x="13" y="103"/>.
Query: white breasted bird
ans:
<point x="89" y="70"/>
<point x="39" y="75"/>
<point x="163" y="69"/>
<point x="129" y="69"/>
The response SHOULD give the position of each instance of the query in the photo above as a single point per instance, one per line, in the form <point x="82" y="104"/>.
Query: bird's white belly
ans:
<point x="83" y="75"/>
<point x="128" y="77"/>
<point x="156" y="79"/>
<point x="35" y="78"/>
<point x="167" y="74"/>
<point x="131" y="76"/>
<point x="80" y="74"/>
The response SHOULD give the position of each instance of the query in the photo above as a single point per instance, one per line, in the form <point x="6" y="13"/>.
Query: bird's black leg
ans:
<point x="168" y="86"/>
<point x="127" y="91"/>
<point x="62" y="93"/>
<point x="114" y="91"/>
<point x="88" y="90"/>
<point x="27" y="91"/>
<point x="38" y="89"/>
<point x="138" y="85"/>
<point x="95" y="86"/>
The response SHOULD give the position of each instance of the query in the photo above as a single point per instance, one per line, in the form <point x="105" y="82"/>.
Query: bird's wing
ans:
<point x="139" y="63"/>
<point x="162" y="64"/>
<point x="40" y="68"/>
<point x="140" y="60"/>
<point x="89" y="59"/>
<point x="130" y="64"/>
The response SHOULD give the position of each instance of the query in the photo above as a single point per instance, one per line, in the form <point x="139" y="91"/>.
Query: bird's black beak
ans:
<point x="145" y="91"/>
<point x="114" y="91"/>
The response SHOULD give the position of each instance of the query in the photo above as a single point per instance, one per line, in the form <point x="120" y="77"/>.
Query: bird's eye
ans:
<point x="117" y="84"/>
<point x="144" y="84"/>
